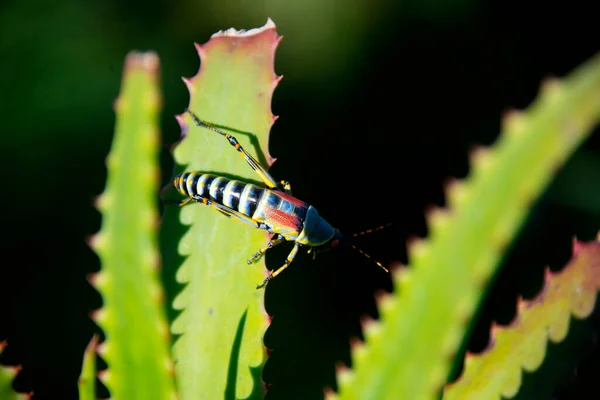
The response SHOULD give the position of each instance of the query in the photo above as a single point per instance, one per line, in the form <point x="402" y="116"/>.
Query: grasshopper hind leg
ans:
<point x="278" y="240"/>
<point x="288" y="261"/>
<point x="252" y="162"/>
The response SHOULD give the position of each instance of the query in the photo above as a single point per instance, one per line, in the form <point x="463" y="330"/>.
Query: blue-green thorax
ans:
<point x="316" y="230"/>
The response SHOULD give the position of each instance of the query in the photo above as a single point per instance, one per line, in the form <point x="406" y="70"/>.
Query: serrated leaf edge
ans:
<point x="551" y="330"/>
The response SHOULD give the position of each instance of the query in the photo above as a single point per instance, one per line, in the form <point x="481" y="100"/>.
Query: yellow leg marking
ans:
<point x="264" y="175"/>
<point x="227" y="211"/>
<point x="288" y="261"/>
<point x="286" y="186"/>
<point x="259" y="253"/>
<point x="184" y="202"/>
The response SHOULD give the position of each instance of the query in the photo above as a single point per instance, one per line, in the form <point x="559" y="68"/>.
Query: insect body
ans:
<point x="271" y="208"/>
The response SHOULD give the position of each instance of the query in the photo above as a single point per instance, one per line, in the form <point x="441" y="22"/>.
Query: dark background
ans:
<point x="381" y="102"/>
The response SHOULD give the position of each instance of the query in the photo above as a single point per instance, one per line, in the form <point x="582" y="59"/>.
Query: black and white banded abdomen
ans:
<point x="240" y="196"/>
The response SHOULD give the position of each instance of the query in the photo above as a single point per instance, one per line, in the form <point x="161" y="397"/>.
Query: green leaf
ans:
<point x="7" y="374"/>
<point x="496" y="372"/>
<point x="408" y="353"/>
<point x="87" y="378"/>
<point x="137" y="338"/>
<point x="223" y="318"/>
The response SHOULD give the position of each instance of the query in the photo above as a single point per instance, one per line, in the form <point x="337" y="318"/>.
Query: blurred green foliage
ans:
<point x="426" y="80"/>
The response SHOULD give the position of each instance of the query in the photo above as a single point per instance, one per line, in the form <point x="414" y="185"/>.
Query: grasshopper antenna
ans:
<point x="365" y="232"/>
<point x="380" y="265"/>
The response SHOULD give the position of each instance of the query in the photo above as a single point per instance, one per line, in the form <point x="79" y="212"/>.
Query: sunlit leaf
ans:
<point x="87" y="378"/>
<point x="497" y="371"/>
<point x="408" y="352"/>
<point x="7" y="375"/>
<point x="223" y="319"/>
<point x="137" y="337"/>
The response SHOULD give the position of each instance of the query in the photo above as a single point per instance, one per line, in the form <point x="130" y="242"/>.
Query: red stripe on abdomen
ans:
<point x="291" y="199"/>
<point x="279" y="219"/>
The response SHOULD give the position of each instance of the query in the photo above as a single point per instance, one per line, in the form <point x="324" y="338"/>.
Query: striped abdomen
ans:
<point x="283" y="213"/>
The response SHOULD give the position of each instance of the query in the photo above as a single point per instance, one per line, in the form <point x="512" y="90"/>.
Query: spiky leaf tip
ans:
<point x="497" y="370"/>
<point x="223" y="318"/>
<point x="7" y="375"/>
<point x="137" y="338"/>
<point x="409" y="356"/>
<point x="87" y="379"/>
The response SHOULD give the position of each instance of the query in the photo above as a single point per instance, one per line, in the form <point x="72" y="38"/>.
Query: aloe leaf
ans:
<point x="7" y="375"/>
<point x="87" y="378"/>
<point x="223" y="318"/>
<point x="137" y="337"/>
<point x="496" y="371"/>
<point x="408" y="352"/>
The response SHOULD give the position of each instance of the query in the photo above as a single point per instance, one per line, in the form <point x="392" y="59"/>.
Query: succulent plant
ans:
<point x="214" y="346"/>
